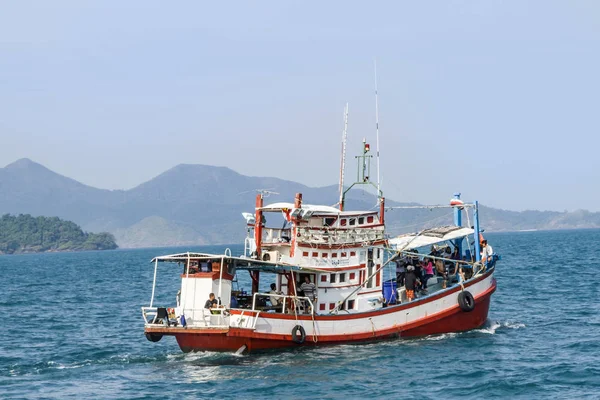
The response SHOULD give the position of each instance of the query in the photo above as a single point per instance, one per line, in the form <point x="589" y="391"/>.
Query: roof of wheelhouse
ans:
<point x="316" y="210"/>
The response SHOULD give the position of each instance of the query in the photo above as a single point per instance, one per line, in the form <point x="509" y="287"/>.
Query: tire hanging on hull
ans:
<point x="466" y="302"/>
<point x="299" y="339"/>
<point x="153" y="337"/>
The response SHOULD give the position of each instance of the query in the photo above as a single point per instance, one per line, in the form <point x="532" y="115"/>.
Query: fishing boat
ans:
<point x="325" y="266"/>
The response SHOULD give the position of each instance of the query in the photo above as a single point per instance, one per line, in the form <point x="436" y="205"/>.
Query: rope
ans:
<point x="421" y="223"/>
<point x="315" y="339"/>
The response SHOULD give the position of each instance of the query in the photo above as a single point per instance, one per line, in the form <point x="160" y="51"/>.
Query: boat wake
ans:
<point x="491" y="327"/>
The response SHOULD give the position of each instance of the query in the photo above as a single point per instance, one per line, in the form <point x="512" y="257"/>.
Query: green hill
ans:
<point x="27" y="234"/>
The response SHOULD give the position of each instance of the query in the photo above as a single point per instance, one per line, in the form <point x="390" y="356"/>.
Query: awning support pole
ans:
<point x="476" y="233"/>
<point x="154" y="282"/>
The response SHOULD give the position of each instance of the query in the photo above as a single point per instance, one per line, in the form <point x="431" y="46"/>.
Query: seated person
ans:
<point x="211" y="302"/>
<point x="275" y="301"/>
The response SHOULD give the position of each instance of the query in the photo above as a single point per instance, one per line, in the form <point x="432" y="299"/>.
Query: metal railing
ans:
<point x="340" y="236"/>
<point x="296" y="301"/>
<point x="213" y="317"/>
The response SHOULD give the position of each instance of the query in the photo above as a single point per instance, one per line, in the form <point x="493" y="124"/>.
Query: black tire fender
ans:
<point x="153" y="337"/>
<point x="298" y="334"/>
<point x="466" y="302"/>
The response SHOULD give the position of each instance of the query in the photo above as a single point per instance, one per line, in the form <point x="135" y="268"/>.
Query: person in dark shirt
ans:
<point x="211" y="302"/>
<point x="410" y="282"/>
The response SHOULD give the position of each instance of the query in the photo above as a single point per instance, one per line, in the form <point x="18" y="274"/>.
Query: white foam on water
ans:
<point x="494" y="326"/>
<point x="491" y="330"/>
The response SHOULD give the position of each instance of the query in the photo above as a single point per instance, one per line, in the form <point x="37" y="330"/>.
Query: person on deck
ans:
<point x="275" y="301"/>
<point x="427" y="268"/>
<point x="309" y="289"/>
<point x="486" y="252"/>
<point x="410" y="282"/>
<point x="211" y="302"/>
<point x="400" y="271"/>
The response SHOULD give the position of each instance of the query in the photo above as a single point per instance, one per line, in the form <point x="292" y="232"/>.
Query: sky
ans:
<point x="494" y="99"/>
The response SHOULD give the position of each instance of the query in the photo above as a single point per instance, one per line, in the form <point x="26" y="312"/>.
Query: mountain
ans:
<point x="202" y="204"/>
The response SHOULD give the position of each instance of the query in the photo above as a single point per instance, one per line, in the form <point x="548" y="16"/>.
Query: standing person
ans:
<point x="309" y="289"/>
<point x="428" y="273"/>
<point x="410" y="282"/>
<point x="486" y="252"/>
<point x="400" y="272"/>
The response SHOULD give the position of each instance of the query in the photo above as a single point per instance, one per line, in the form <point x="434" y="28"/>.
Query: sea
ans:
<point x="72" y="328"/>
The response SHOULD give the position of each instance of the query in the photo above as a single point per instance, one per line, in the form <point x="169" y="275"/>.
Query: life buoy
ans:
<point x="466" y="302"/>
<point x="153" y="337"/>
<point x="298" y="339"/>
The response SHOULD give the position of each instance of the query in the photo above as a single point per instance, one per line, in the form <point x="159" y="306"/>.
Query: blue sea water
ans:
<point x="72" y="328"/>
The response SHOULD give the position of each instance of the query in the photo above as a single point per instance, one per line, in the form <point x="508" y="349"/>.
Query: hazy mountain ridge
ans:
<point x="200" y="204"/>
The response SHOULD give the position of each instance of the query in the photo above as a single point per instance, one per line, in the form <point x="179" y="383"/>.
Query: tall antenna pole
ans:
<point x="377" y="130"/>
<point x="343" y="158"/>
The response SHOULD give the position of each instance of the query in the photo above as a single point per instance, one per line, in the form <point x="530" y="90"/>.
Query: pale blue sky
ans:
<point x="496" y="99"/>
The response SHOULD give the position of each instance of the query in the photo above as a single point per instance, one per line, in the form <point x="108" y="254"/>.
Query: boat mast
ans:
<point x="377" y="128"/>
<point x="343" y="159"/>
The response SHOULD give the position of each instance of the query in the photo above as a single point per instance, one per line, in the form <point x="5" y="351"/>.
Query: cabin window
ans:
<point x="378" y="278"/>
<point x="323" y="278"/>
<point x="344" y="255"/>
<point x="343" y="306"/>
<point x="370" y="219"/>
<point x="342" y="277"/>
<point x="315" y="254"/>
<point x="343" y="221"/>
<point x="362" y="257"/>
<point x="323" y="255"/>
<point x="379" y="253"/>
<point x="329" y="221"/>
<point x="333" y="255"/>
<point x="350" y="304"/>
<point x="361" y="220"/>
<point x="352" y="253"/>
<point x="352" y="221"/>
<point x="352" y="276"/>
<point x="322" y="307"/>
<point x="305" y="254"/>
<point x="331" y="306"/>
<point x="332" y="278"/>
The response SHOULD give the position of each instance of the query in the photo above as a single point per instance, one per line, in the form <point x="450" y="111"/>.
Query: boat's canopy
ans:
<point x="316" y="209"/>
<point x="312" y="209"/>
<point x="429" y="237"/>
<point x="239" y="263"/>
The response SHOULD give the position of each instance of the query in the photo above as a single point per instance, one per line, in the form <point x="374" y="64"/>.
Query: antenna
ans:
<point x="343" y="158"/>
<point x="377" y="127"/>
<point x="265" y="192"/>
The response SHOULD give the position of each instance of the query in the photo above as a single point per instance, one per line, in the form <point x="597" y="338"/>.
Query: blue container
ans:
<point x="389" y="291"/>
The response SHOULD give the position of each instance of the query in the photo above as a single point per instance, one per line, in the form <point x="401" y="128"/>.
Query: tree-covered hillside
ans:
<point x="27" y="234"/>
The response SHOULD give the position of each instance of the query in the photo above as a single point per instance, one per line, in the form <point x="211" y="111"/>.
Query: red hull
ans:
<point x="453" y="320"/>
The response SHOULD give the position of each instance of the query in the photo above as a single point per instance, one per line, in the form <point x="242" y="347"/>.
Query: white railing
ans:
<point x="340" y="236"/>
<point x="274" y="235"/>
<point x="213" y="317"/>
